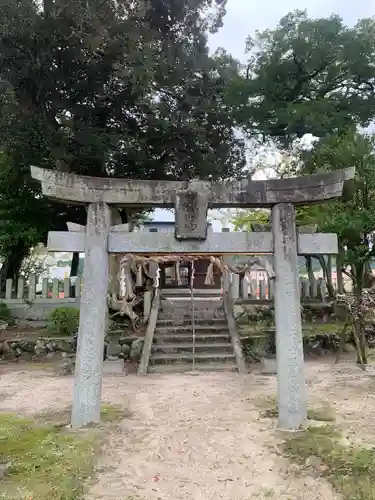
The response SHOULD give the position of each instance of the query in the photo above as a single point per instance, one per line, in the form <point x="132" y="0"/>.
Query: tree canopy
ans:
<point x="353" y="219"/>
<point x="306" y="76"/>
<point x="118" y="88"/>
<point x="115" y="88"/>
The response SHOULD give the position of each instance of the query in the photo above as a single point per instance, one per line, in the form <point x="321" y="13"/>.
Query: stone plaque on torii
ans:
<point x="191" y="200"/>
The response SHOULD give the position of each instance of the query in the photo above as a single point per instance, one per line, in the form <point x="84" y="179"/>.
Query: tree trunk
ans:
<point x="12" y="264"/>
<point x="327" y="275"/>
<point x="339" y="274"/>
<point x="359" y="272"/>
<point x="329" y="267"/>
<point x="368" y="278"/>
<point x="309" y="269"/>
<point x="74" y="271"/>
<point x="74" y="264"/>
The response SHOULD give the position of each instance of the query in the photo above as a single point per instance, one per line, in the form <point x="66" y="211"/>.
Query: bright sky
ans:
<point x="245" y="16"/>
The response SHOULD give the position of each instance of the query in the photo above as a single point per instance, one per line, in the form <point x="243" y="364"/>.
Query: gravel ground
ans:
<point x="200" y="437"/>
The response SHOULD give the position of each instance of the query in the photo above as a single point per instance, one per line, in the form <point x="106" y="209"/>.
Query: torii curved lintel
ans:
<point x="244" y="193"/>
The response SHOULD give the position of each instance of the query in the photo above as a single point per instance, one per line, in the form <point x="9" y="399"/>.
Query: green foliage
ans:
<point x="352" y="218"/>
<point x="244" y="219"/>
<point x="306" y="76"/>
<point x="63" y="321"/>
<point x="5" y="314"/>
<point x="125" y="89"/>
<point x="113" y="88"/>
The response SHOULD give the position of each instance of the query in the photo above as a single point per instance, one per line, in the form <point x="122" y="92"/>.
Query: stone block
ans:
<point x="191" y="214"/>
<point x="269" y="365"/>
<point x="125" y="350"/>
<point x="113" y="349"/>
<point x="136" y="350"/>
<point x="113" y="366"/>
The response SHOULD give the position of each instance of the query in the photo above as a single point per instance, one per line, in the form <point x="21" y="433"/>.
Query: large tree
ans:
<point x="118" y="88"/>
<point x="353" y="218"/>
<point x="306" y="76"/>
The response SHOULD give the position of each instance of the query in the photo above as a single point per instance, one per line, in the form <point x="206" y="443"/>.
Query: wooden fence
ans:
<point x="32" y="289"/>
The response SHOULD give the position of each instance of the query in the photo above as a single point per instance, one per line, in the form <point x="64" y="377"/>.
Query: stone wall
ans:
<point x="35" y="313"/>
<point x="128" y="348"/>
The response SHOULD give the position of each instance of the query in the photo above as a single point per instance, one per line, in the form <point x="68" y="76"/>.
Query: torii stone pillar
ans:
<point x="191" y="201"/>
<point x="93" y="315"/>
<point x="291" y="392"/>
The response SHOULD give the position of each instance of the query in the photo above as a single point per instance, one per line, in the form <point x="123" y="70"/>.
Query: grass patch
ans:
<point x="308" y="329"/>
<point x="61" y="418"/>
<point x="113" y="413"/>
<point x="323" y="414"/>
<point x="351" y="470"/>
<point x="46" y="463"/>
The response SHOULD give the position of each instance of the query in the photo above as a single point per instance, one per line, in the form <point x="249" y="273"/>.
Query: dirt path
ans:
<point x="198" y="437"/>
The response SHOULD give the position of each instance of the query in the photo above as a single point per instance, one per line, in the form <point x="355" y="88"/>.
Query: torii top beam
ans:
<point x="192" y="199"/>
<point x="244" y="193"/>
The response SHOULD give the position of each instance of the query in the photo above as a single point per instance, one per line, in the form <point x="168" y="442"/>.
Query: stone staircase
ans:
<point x="172" y="349"/>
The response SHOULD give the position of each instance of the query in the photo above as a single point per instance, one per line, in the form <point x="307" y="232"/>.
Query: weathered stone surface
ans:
<point x="262" y="228"/>
<point x="292" y="407"/>
<point x="136" y="350"/>
<point x="92" y="325"/>
<point x="113" y="349"/>
<point x="38" y="311"/>
<point x="40" y="348"/>
<point x="67" y="364"/>
<point x="269" y="365"/>
<point x="27" y="345"/>
<point x="125" y="349"/>
<point x="64" y="345"/>
<point x="126" y="340"/>
<point x="243" y="193"/>
<point x="50" y="346"/>
<point x="97" y="241"/>
<point x="113" y="366"/>
<point x="215" y="244"/>
<point x="191" y="212"/>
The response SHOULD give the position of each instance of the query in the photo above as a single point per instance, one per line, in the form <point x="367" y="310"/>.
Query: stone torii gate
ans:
<point x="191" y="200"/>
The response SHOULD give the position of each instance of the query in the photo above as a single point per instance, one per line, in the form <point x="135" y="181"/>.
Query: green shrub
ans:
<point x="63" y="321"/>
<point x="5" y="314"/>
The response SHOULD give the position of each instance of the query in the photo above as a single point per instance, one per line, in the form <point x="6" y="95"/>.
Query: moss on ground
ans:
<point x="351" y="470"/>
<point x="48" y="461"/>
<point x="268" y="407"/>
<point x="308" y="329"/>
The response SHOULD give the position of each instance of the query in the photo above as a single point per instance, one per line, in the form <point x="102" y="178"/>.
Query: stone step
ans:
<point x="199" y="328"/>
<point x="207" y="348"/>
<point x="186" y="312"/>
<point x="198" y="321"/>
<point x="187" y="367"/>
<point x="177" y="318"/>
<point x="201" y="338"/>
<point x="198" y="305"/>
<point x="181" y="357"/>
